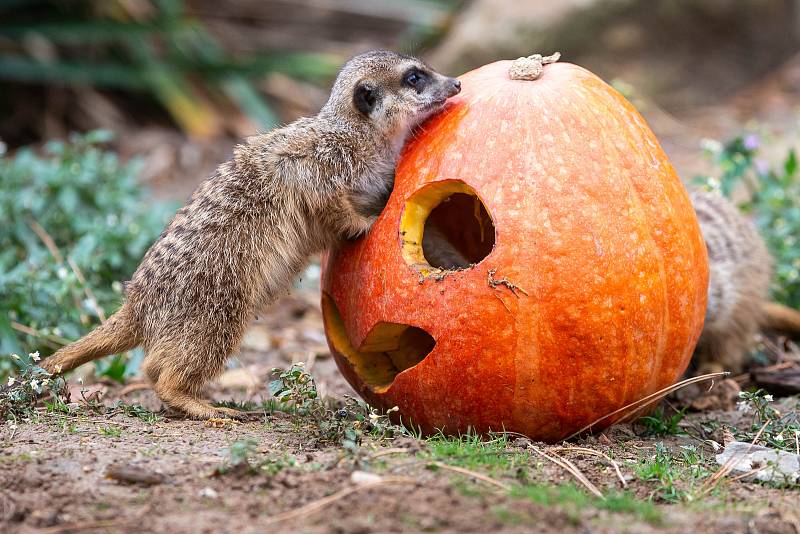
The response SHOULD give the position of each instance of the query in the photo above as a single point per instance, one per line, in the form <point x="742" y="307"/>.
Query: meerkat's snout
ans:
<point x="442" y="89"/>
<point x="455" y="87"/>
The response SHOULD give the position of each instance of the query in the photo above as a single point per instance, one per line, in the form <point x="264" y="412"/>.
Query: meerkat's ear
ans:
<point x="365" y="97"/>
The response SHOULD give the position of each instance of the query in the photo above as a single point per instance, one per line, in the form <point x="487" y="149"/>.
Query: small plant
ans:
<point x="241" y="459"/>
<point x="138" y="411"/>
<point x="296" y="388"/>
<point x="771" y="194"/>
<point x="778" y="430"/>
<point x="19" y="394"/>
<point x="75" y="224"/>
<point x="240" y="451"/>
<point x="660" y="424"/>
<point x="110" y="431"/>
<point x="676" y="477"/>
<point x="346" y="425"/>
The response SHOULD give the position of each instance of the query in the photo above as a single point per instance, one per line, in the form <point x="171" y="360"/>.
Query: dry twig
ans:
<point x="586" y="450"/>
<point x="494" y="282"/>
<point x="644" y="402"/>
<point x="319" y="504"/>
<point x="571" y="468"/>
<point x="473" y="474"/>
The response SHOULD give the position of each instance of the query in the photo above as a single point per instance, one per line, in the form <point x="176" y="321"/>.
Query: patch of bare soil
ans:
<point x="110" y="472"/>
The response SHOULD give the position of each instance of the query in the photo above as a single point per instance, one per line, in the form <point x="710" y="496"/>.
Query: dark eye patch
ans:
<point x="416" y="79"/>
<point x="365" y="98"/>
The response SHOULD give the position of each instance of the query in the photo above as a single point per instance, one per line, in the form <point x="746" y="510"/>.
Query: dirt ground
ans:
<point x="111" y="472"/>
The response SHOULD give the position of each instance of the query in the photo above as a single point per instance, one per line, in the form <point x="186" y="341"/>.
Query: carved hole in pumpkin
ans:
<point x="387" y="350"/>
<point x="446" y="226"/>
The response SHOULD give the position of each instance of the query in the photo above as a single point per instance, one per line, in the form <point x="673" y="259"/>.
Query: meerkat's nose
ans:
<point x="456" y="86"/>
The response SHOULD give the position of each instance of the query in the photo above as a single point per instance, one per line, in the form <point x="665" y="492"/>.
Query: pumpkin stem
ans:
<point x="531" y="67"/>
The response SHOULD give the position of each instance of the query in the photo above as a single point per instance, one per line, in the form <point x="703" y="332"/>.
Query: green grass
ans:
<point x="110" y="431"/>
<point x="572" y="500"/>
<point x="138" y="411"/>
<point x="677" y="477"/>
<point x="471" y="451"/>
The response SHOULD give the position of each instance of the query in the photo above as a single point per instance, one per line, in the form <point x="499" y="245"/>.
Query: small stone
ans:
<point x="763" y="463"/>
<point x="209" y="493"/>
<point x="362" y="477"/>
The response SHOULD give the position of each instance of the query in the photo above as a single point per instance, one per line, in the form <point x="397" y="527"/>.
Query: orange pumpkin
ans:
<point x="584" y="285"/>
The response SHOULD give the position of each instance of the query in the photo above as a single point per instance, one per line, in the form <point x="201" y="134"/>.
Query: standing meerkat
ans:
<point x="250" y="228"/>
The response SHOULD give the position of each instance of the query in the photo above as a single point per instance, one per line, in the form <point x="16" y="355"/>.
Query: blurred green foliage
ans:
<point x="75" y="224"/>
<point x="772" y="196"/>
<point x="165" y="53"/>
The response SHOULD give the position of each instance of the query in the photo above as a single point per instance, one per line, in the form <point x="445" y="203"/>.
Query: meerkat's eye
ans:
<point x="365" y="98"/>
<point x="415" y="78"/>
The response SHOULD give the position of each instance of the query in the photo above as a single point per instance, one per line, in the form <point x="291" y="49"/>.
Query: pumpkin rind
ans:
<point x="591" y="221"/>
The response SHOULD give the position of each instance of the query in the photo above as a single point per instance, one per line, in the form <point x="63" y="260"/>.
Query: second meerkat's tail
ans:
<point x="118" y="334"/>
<point x="781" y="318"/>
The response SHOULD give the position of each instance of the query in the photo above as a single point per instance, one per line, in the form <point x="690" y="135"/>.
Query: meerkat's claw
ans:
<point x="217" y="422"/>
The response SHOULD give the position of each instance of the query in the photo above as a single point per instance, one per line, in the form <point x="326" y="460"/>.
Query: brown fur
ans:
<point x="249" y="229"/>
<point x="740" y="269"/>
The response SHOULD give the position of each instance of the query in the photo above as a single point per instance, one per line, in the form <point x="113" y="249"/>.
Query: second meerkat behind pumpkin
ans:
<point x="249" y="229"/>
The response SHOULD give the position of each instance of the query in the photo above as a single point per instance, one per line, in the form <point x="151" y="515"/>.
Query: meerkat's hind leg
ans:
<point x="179" y="387"/>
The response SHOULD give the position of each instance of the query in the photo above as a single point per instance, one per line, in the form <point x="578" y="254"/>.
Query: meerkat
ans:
<point x="248" y="230"/>
<point x="739" y="274"/>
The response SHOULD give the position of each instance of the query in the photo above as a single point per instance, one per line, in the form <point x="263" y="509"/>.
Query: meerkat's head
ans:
<point x="390" y="91"/>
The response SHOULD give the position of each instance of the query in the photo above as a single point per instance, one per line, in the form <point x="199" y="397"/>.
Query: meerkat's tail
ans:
<point x="118" y="334"/>
<point x="781" y="318"/>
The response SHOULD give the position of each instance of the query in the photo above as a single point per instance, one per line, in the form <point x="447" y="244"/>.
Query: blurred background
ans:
<point x="166" y="87"/>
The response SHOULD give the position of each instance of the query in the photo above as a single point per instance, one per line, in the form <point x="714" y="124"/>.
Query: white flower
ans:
<point x="35" y="356"/>
<point x="768" y="398"/>
<point x="80" y="380"/>
<point x="10" y="381"/>
<point x="35" y="384"/>
<point x="15" y="356"/>
<point x="743" y="406"/>
<point x="711" y="145"/>
<point x="779" y="438"/>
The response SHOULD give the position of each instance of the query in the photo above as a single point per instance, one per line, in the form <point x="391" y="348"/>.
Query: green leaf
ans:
<point x="790" y="165"/>
<point x="275" y="387"/>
